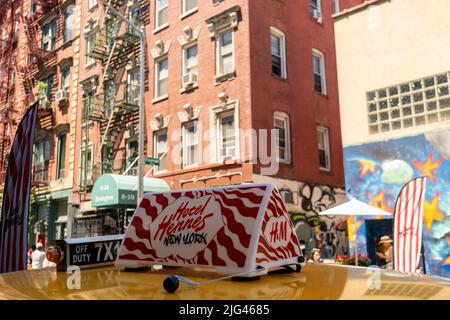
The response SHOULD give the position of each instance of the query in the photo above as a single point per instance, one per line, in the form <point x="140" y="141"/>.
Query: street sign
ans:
<point x="152" y="161"/>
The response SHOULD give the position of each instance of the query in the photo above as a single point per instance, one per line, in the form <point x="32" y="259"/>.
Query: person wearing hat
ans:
<point x="37" y="257"/>
<point x="386" y="253"/>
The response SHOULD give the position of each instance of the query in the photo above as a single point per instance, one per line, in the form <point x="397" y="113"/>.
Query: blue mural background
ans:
<point x="376" y="172"/>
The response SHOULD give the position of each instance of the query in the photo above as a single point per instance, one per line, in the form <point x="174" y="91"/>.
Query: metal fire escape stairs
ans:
<point x="114" y="43"/>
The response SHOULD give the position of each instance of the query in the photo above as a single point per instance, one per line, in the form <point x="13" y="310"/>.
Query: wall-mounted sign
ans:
<point x="233" y="229"/>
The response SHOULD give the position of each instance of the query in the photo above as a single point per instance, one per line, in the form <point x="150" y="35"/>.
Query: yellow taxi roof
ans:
<point x="315" y="281"/>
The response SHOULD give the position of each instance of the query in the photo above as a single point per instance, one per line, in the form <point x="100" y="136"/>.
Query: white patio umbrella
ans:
<point x="355" y="208"/>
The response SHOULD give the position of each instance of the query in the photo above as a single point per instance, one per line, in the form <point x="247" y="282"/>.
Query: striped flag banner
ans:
<point x="408" y="220"/>
<point x="16" y="196"/>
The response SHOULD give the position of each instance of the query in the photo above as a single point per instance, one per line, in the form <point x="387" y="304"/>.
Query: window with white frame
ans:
<point x="189" y="5"/>
<point x="162" y="13"/>
<point x="132" y="154"/>
<point x="68" y="23"/>
<point x="90" y="45"/>
<point x="49" y="36"/>
<point x="160" y="149"/>
<point x="133" y="88"/>
<point x="65" y="78"/>
<point x="315" y="8"/>
<point x="283" y="143"/>
<point x="190" y="60"/>
<point x="278" y="50"/>
<point x="161" y="77"/>
<point x="190" y="143"/>
<point x="225" y="52"/>
<point x="226" y="134"/>
<point x="323" y="144"/>
<point x="319" y="72"/>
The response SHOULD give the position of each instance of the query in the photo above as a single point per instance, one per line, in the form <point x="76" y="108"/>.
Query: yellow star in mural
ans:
<point x="367" y="166"/>
<point x="432" y="212"/>
<point x="379" y="201"/>
<point x="428" y="167"/>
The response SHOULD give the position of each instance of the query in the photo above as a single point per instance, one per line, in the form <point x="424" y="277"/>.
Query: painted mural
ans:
<point x="376" y="172"/>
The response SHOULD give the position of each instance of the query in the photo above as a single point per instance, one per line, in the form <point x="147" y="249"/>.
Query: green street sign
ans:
<point x="152" y="161"/>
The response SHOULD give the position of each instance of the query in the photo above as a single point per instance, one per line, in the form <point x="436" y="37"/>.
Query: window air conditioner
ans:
<point x="189" y="79"/>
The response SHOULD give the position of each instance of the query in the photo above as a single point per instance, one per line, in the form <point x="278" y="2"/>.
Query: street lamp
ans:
<point x="141" y="33"/>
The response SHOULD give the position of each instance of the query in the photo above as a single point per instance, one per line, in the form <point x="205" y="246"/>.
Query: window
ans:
<point x="92" y="4"/>
<point x="33" y="6"/>
<point x="89" y="103"/>
<point x="278" y="50"/>
<point x="133" y="14"/>
<point x="410" y="104"/>
<point x="68" y="23"/>
<point x="319" y="72"/>
<point x="190" y="60"/>
<point x="161" y="77"/>
<point x="49" y="36"/>
<point x="133" y="93"/>
<point x="315" y="8"/>
<point x="226" y="135"/>
<point x="61" y="161"/>
<point x="162" y="13"/>
<point x="189" y="5"/>
<point x="90" y="45"/>
<point x="46" y="92"/>
<point x="110" y="97"/>
<point x="337" y="7"/>
<point x="160" y="149"/>
<point x="65" y="78"/>
<point x="225" y="53"/>
<point x="132" y="154"/>
<point x="41" y="160"/>
<point x="108" y="159"/>
<point x="323" y="143"/>
<point x="86" y="166"/>
<point x="283" y="143"/>
<point x="190" y="143"/>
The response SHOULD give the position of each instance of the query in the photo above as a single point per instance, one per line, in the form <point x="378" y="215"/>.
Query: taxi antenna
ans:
<point x="171" y="283"/>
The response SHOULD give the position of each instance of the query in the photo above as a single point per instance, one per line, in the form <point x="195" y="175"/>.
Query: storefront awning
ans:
<point x="118" y="190"/>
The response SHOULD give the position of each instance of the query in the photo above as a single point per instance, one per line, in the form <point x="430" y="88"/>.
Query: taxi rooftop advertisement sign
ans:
<point x="232" y="229"/>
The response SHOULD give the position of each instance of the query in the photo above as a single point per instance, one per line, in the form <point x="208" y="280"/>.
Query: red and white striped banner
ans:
<point x="408" y="220"/>
<point x="16" y="196"/>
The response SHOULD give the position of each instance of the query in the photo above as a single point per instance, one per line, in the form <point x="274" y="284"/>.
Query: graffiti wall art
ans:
<point x="376" y="172"/>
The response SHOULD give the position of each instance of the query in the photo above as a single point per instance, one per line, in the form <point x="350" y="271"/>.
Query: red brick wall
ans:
<point x="296" y="95"/>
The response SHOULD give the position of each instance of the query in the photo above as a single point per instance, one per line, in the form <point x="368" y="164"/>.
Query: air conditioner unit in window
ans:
<point x="189" y="79"/>
<point x="62" y="96"/>
<point x="317" y="14"/>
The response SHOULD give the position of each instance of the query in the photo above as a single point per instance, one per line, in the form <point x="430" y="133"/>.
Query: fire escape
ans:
<point x="17" y="78"/>
<point x="116" y="105"/>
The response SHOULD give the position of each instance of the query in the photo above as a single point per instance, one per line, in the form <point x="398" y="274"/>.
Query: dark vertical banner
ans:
<point x="408" y="220"/>
<point x="16" y="196"/>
